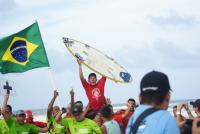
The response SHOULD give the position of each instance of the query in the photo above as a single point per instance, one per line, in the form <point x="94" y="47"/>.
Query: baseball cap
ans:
<point x="77" y="110"/>
<point x="20" y="112"/>
<point x="155" y="81"/>
<point x="195" y="103"/>
<point x="29" y="112"/>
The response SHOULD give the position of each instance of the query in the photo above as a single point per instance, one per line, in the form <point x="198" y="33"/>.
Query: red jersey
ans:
<point x="124" y="122"/>
<point x="95" y="93"/>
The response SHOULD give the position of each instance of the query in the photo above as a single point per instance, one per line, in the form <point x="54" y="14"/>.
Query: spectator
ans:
<point x="54" y="117"/>
<point x="30" y="119"/>
<point x="18" y="125"/>
<point x="151" y="116"/>
<point x="79" y="124"/>
<point x="109" y="126"/>
<point x="123" y="116"/>
<point x="3" y="127"/>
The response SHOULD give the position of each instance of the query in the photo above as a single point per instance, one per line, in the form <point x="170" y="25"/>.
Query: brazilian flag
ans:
<point x="23" y="51"/>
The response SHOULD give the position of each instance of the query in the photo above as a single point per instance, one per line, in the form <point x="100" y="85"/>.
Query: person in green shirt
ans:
<point x="17" y="125"/>
<point x="54" y="117"/>
<point x="3" y="127"/>
<point x="79" y="124"/>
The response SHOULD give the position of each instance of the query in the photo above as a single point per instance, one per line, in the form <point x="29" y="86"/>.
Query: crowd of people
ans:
<point x="98" y="117"/>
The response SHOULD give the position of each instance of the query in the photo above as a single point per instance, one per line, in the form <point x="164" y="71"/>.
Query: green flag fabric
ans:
<point x="23" y="51"/>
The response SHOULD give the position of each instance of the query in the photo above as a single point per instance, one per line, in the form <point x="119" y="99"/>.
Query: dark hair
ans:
<point x="9" y="108"/>
<point x="105" y="111"/>
<point x="92" y="74"/>
<point x="131" y="99"/>
<point x="150" y="96"/>
<point x="78" y="102"/>
<point x="175" y="106"/>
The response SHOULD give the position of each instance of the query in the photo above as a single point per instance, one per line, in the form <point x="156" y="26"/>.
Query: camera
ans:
<point x="64" y="110"/>
<point x="187" y="129"/>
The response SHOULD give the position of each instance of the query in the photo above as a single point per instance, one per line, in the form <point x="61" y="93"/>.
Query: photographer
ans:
<point x="191" y="125"/>
<point x="196" y="107"/>
<point x="177" y="114"/>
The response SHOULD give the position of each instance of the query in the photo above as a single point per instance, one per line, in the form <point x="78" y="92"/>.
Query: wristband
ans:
<point x="178" y="113"/>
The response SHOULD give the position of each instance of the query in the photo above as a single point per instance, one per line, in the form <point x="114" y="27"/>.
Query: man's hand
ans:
<point x="6" y="97"/>
<point x="72" y="92"/>
<point x="179" y="107"/>
<point x="186" y="106"/>
<point x="55" y="94"/>
<point x="130" y="107"/>
<point x="80" y="62"/>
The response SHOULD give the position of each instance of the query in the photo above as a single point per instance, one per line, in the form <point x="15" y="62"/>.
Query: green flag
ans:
<point x="23" y="51"/>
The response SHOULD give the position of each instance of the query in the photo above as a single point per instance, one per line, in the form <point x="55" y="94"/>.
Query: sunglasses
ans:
<point x="22" y="115"/>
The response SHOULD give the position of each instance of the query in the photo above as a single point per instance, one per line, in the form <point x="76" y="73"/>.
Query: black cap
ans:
<point x="195" y="103"/>
<point x="77" y="110"/>
<point x="20" y="112"/>
<point x="9" y="108"/>
<point x="155" y="81"/>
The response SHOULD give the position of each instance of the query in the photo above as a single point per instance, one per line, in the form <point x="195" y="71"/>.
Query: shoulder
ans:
<point x="28" y="125"/>
<point x="89" y="121"/>
<point x="165" y="115"/>
<point x="10" y="120"/>
<point x="68" y="119"/>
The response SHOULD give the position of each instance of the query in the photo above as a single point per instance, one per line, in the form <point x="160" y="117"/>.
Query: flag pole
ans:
<point x="51" y="76"/>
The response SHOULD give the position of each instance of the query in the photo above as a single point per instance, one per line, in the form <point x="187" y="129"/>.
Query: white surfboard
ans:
<point x="97" y="61"/>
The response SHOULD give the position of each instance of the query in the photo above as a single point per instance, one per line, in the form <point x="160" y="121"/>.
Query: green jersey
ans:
<point x="15" y="128"/>
<point x="86" y="126"/>
<point x="3" y="127"/>
<point x="56" y="128"/>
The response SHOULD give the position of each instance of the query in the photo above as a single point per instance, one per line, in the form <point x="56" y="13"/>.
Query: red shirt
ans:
<point x="118" y="118"/>
<point x="95" y="93"/>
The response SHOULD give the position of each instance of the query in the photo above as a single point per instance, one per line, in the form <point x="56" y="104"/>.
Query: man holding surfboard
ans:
<point x="94" y="90"/>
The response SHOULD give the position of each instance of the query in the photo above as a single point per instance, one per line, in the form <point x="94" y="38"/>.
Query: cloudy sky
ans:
<point x="141" y="35"/>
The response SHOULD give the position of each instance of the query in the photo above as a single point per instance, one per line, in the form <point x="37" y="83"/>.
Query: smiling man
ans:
<point x="94" y="90"/>
<point x="18" y="125"/>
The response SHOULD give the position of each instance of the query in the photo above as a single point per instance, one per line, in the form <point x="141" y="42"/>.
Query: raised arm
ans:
<point x="44" y="130"/>
<point x="72" y="98"/>
<point x="86" y="110"/>
<point x="50" y="106"/>
<point x="80" y="70"/>
<point x="5" y="114"/>
<point x="188" y="111"/>
<point x="128" y="110"/>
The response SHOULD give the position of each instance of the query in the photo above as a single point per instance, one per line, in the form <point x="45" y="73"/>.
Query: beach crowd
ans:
<point x="150" y="116"/>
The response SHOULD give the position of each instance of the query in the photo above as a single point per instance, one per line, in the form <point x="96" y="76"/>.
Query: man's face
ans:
<point x="196" y="109"/>
<point x="92" y="80"/>
<point x="79" y="117"/>
<point x="166" y="101"/>
<point x="132" y="104"/>
<point x="21" y="118"/>
<point x="174" y="110"/>
<point x="56" y="109"/>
